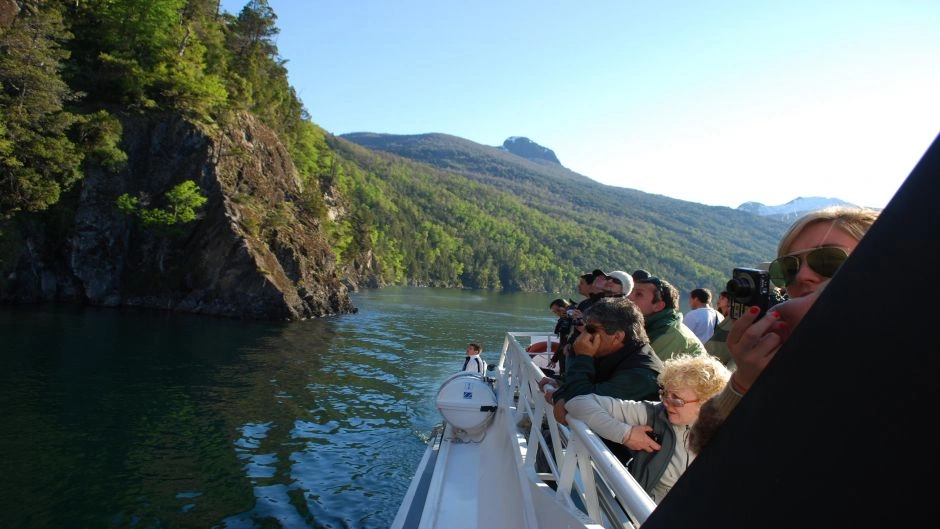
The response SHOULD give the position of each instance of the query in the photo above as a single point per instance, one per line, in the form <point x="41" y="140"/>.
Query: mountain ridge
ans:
<point x="793" y="209"/>
<point x="530" y="150"/>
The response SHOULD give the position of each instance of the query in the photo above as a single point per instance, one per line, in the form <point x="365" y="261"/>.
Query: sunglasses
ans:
<point x="671" y="398"/>
<point x="824" y="261"/>
<point x="591" y="328"/>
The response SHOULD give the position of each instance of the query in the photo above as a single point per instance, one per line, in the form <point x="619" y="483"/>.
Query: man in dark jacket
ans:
<point x="612" y="358"/>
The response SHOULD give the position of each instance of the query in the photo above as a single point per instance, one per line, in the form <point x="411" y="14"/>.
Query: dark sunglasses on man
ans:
<point x="824" y="261"/>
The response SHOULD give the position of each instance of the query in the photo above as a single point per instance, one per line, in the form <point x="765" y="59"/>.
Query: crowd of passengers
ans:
<point x="655" y="383"/>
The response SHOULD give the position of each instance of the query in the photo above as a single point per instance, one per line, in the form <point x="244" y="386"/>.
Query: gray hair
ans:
<point x="619" y="314"/>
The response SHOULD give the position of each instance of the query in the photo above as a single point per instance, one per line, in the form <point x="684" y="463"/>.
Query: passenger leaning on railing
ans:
<point x="594" y="286"/>
<point x="656" y="432"/>
<point x="612" y="357"/>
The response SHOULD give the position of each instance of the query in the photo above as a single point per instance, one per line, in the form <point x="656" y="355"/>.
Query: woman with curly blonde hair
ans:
<point x="656" y="432"/>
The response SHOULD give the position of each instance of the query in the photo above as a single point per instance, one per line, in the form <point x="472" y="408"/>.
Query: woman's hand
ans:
<point x="753" y="343"/>
<point x="636" y="439"/>
<point x="793" y="310"/>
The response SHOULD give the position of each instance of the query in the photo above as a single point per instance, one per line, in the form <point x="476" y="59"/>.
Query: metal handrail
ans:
<point x="588" y="477"/>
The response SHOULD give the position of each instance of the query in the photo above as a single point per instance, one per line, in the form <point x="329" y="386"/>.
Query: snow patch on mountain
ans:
<point x="794" y="208"/>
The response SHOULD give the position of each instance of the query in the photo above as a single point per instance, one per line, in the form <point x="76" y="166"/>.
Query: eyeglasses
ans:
<point x="824" y="261"/>
<point x="671" y="398"/>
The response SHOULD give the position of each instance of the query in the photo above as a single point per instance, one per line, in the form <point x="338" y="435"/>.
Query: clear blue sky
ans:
<point x="713" y="102"/>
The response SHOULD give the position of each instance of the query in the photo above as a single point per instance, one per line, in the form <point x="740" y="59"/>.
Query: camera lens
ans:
<point x="740" y="287"/>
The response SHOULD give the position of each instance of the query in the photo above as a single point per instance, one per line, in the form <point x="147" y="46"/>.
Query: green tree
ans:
<point x="38" y="161"/>
<point x="258" y="78"/>
<point x="183" y="203"/>
<point x="150" y="54"/>
<point x="99" y="135"/>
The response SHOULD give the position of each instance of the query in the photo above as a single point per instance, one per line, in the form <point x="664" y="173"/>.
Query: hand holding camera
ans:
<point x="751" y="287"/>
<point x="753" y="339"/>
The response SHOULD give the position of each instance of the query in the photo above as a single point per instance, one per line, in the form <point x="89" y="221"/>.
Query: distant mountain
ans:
<point x="508" y="221"/>
<point x="793" y="209"/>
<point x="528" y="149"/>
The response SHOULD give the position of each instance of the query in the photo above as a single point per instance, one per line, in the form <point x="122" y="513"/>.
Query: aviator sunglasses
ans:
<point x="824" y="261"/>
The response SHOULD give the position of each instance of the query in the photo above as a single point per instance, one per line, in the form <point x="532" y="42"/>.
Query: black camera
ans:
<point x="751" y="287"/>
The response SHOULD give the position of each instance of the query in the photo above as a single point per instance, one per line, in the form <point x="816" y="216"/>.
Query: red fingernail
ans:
<point x="775" y="315"/>
<point x="754" y="310"/>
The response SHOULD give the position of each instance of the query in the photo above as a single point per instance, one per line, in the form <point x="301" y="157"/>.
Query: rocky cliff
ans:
<point x="254" y="252"/>
<point x="528" y="149"/>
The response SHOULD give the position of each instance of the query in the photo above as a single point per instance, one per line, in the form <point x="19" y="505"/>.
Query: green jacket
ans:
<point x="669" y="336"/>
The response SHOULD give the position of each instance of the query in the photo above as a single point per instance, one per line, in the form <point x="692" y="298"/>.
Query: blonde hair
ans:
<point x="852" y="220"/>
<point x="703" y="374"/>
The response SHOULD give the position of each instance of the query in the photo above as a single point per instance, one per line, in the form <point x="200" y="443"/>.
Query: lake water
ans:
<point x="117" y="418"/>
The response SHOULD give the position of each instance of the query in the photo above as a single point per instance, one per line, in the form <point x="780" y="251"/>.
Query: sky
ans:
<point x="717" y="103"/>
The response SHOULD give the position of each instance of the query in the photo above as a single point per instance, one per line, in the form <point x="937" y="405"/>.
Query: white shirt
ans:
<point x="702" y="322"/>
<point x="475" y="363"/>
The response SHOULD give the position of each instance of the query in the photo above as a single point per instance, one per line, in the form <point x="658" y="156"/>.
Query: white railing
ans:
<point x="587" y="476"/>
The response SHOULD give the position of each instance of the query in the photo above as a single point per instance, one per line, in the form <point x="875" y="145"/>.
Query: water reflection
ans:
<point x="141" y="419"/>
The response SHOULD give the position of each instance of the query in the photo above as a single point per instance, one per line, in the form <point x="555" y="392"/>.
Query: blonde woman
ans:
<point x="657" y="432"/>
<point x="808" y="256"/>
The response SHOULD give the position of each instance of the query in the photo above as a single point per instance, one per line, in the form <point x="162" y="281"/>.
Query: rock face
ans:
<point x="254" y="253"/>
<point x="528" y="149"/>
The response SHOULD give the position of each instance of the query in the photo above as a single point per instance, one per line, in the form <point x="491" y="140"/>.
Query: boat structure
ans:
<point x="479" y="469"/>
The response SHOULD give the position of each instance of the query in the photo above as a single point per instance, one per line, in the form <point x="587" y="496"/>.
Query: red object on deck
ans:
<point x="541" y="347"/>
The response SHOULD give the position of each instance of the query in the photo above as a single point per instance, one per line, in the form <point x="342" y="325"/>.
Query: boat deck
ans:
<point x="488" y="480"/>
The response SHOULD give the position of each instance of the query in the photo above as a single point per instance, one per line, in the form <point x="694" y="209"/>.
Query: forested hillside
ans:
<point x="551" y="223"/>
<point x="418" y="210"/>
